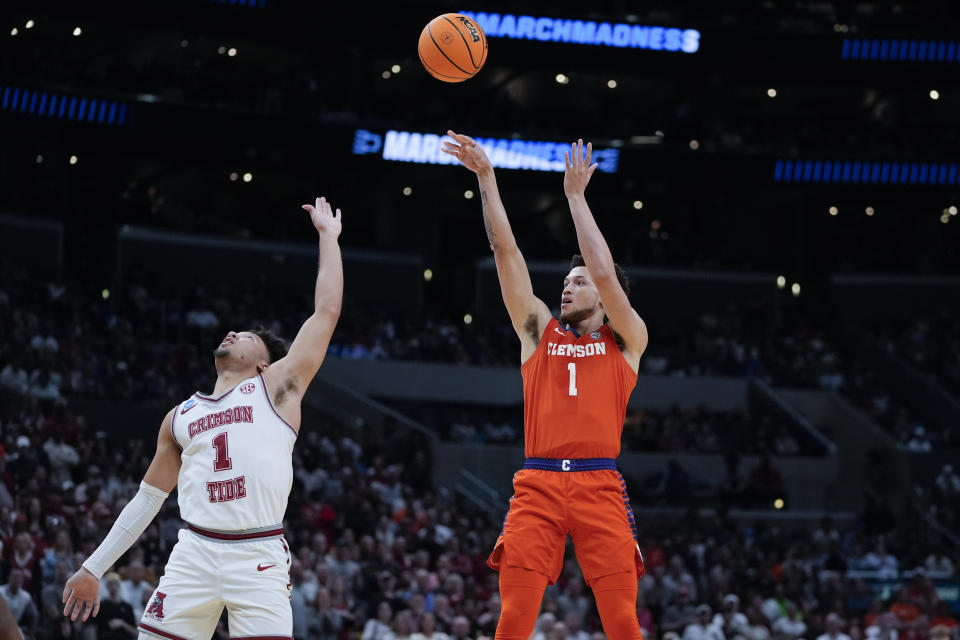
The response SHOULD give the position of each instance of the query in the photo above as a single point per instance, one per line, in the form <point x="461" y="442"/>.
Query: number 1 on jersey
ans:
<point x="572" y="368"/>
<point x="222" y="462"/>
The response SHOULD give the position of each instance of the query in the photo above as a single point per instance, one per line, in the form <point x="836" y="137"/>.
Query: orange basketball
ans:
<point x="452" y="47"/>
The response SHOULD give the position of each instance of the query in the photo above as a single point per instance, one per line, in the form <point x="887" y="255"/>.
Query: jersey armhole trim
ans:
<point x="173" y="433"/>
<point x="623" y="357"/>
<point x="266" y="392"/>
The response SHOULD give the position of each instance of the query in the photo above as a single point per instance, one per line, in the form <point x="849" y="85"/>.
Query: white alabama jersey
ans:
<point x="236" y="459"/>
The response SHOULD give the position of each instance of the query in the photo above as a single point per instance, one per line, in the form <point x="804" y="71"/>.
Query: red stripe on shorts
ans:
<point x="161" y="632"/>
<point x="216" y="535"/>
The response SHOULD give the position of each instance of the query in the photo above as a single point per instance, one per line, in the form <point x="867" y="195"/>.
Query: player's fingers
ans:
<point x="566" y="159"/>
<point x="67" y="592"/>
<point x="573" y="155"/>
<point x="338" y="215"/>
<point x="308" y="208"/>
<point x="86" y="611"/>
<point x="589" y="153"/>
<point x="96" y="607"/>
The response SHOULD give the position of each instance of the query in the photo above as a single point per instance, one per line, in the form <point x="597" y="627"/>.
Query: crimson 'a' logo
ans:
<point x="155" y="609"/>
<point x="247" y="388"/>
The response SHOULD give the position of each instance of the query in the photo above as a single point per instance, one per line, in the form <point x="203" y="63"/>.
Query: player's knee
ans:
<point x="520" y="593"/>
<point x="616" y="597"/>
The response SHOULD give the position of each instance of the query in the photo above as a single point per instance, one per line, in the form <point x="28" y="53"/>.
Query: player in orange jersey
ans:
<point x="578" y="373"/>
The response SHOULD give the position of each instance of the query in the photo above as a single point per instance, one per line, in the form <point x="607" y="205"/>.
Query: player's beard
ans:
<point x="571" y="318"/>
<point x="220" y="352"/>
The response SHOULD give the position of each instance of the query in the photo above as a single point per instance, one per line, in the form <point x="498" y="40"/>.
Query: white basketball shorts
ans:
<point x="246" y="572"/>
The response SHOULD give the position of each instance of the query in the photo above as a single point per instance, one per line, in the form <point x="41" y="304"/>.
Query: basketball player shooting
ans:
<point x="578" y="373"/>
<point x="230" y="455"/>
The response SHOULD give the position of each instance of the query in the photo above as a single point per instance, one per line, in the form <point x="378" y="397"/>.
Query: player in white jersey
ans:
<point x="230" y="454"/>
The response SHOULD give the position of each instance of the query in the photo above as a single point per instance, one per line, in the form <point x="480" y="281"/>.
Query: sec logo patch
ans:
<point x="247" y="388"/>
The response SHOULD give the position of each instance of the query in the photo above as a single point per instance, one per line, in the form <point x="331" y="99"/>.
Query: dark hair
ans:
<point x="276" y="346"/>
<point x="578" y="261"/>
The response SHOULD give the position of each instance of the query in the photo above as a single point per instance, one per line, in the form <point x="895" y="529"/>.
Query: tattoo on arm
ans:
<point x="491" y="236"/>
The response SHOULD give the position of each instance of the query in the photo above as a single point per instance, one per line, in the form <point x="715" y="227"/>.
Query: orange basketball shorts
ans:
<point x="590" y="505"/>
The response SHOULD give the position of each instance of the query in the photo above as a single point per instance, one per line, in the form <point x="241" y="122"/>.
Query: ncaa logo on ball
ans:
<point x="470" y="27"/>
<point x="247" y="388"/>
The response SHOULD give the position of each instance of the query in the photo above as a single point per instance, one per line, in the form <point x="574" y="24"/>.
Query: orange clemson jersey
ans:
<point x="575" y="390"/>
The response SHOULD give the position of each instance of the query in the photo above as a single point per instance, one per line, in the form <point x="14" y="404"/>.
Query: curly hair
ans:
<point x="276" y="346"/>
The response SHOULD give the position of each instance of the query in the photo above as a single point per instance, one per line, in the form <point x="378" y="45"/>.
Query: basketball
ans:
<point x="452" y="47"/>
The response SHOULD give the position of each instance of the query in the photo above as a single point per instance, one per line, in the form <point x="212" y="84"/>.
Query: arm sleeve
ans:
<point x="131" y="522"/>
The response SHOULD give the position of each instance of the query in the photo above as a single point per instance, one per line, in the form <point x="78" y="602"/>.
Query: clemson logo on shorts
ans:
<point x="155" y="610"/>
<point x="247" y="388"/>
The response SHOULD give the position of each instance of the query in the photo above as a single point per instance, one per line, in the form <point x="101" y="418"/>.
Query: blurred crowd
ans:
<point x="60" y="339"/>
<point x="931" y="343"/>
<point x="380" y="554"/>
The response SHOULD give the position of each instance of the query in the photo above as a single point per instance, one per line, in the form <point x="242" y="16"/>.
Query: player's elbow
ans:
<point x="329" y="309"/>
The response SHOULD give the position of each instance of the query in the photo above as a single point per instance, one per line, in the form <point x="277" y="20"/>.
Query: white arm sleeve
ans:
<point x="131" y="522"/>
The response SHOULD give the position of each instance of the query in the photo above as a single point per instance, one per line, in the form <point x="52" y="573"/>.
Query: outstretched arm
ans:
<point x="82" y="591"/>
<point x="528" y="313"/>
<point x="596" y="254"/>
<point x="289" y="377"/>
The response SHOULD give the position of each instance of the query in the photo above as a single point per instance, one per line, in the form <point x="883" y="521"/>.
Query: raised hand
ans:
<point x="324" y="220"/>
<point x="468" y="152"/>
<point x="81" y="595"/>
<point x="579" y="170"/>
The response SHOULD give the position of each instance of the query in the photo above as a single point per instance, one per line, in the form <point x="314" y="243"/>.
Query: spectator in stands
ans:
<point x="23" y="557"/>
<point x="572" y="599"/>
<point x="60" y="552"/>
<point x="645" y="615"/>
<point x="55" y="626"/>
<point x="834" y="628"/>
<point x="919" y="442"/>
<point x="428" y="629"/>
<point x="487" y="620"/>
<point x="880" y="561"/>
<point x="677" y="576"/>
<point x="545" y="624"/>
<point x="681" y="613"/>
<point x="460" y="629"/>
<point x="378" y="628"/>
<point x="944" y="617"/>
<point x="791" y="624"/>
<point x="21" y="603"/>
<point x="574" y="631"/>
<point x="758" y="628"/>
<point x="730" y="620"/>
<point x="116" y="618"/>
<point x="948" y="480"/>
<point x="940" y="564"/>
<point x="135" y="586"/>
<point x="775" y="606"/>
<point x="324" y="622"/>
<point x="884" y="627"/>
<point x="703" y="627"/>
<point x="941" y="632"/>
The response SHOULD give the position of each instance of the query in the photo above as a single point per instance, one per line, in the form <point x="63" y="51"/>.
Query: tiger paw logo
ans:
<point x="155" y="610"/>
<point x="247" y="388"/>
